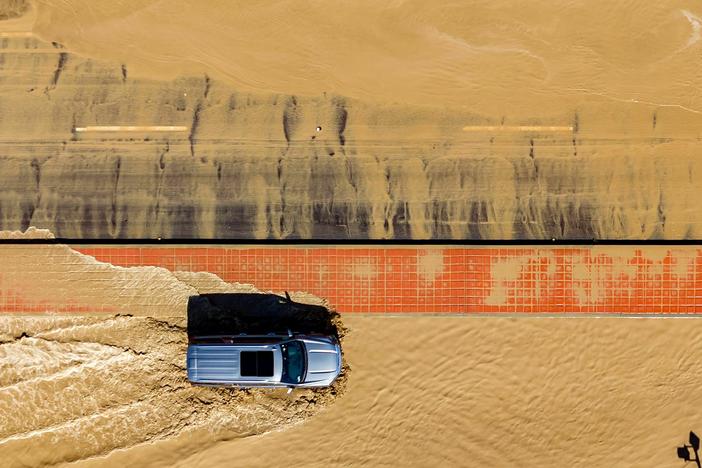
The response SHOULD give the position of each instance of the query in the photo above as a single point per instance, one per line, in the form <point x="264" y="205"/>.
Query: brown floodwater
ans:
<point x="110" y="389"/>
<point x="84" y="385"/>
<point x="335" y="120"/>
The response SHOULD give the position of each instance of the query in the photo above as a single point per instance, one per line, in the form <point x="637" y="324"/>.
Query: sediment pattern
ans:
<point x="275" y="166"/>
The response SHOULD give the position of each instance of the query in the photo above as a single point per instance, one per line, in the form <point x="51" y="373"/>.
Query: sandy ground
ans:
<point x="110" y="389"/>
<point x="289" y="131"/>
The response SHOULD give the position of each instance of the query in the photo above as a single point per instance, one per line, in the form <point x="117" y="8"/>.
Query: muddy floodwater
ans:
<point x="330" y="120"/>
<point x="405" y="119"/>
<point x="82" y="385"/>
<point x="422" y="391"/>
<point x="110" y="389"/>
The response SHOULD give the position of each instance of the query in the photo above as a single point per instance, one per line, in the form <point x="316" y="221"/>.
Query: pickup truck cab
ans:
<point x="273" y="361"/>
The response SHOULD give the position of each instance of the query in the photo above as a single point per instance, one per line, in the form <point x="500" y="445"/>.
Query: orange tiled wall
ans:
<point x="452" y="280"/>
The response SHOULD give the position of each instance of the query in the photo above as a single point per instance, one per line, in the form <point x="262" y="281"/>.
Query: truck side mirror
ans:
<point x="287" y="296"/>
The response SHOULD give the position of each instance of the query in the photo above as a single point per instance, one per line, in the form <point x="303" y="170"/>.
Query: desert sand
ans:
<point x="109" y="389"/>
<point x="329" y="120"/>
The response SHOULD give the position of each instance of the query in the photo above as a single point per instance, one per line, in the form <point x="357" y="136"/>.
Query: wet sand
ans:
<point x="600" y="146"/>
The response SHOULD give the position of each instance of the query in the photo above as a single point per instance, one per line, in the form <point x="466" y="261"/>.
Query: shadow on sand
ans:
<point x="233" y="314"/>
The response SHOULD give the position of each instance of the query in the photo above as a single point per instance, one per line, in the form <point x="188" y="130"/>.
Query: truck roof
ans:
<point x="234" y="363"/>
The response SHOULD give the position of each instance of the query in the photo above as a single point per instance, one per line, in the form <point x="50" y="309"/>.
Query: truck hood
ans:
<point x="323" y="362"/>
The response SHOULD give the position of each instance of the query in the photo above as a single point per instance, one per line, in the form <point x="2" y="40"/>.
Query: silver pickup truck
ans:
<point x="272" y="361"/>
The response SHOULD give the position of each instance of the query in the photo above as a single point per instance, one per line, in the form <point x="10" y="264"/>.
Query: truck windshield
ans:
<point x="293" y="362"/>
